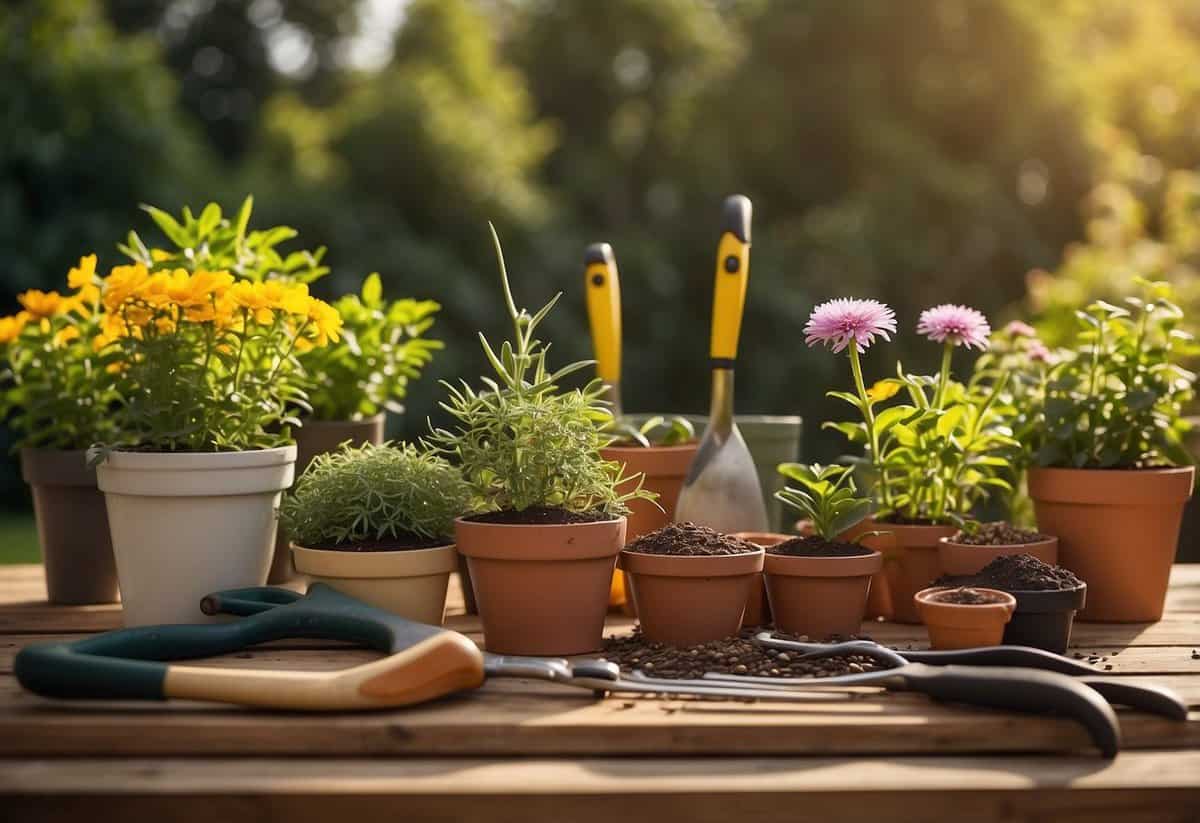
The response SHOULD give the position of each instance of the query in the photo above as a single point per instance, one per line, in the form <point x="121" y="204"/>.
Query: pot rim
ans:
<point x="1040" y="544"/>
<point x="316" y="423"/>
<point x="1048" y="601"/>
<point x="133" y="460"/>
<point x="540" y="542"/>
<point x="749" y="537"/>
<point x="917" y="535"/>
<point x="956" y="612"/>
<point x="654" y="461"/>
<point x="367" y="565"/>
<point x="686" y="565"/>
<point x="1160" y="486"/>
<point x="56" y="467"/>
<point x="859" y="565"/>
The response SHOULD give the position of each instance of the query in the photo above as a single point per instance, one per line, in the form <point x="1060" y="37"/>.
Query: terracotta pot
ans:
<point x="664" y="468"/>
<point x="961" y="558"/>
<point x="313" y="438"/>
<point x="963" y="626"/>
<point x="410" y="583"/>
<point x="541" y="589"/>
<point x="879" y="597"/>
<point x="914" y="567"/>
<point x="1043" y="619"/>
<point x="683" y="600"/>
<point x="1118" y="531"/>
<point x="72" y="525"/>
<point x="820" y="596"/>
<point x="758" y="607"/>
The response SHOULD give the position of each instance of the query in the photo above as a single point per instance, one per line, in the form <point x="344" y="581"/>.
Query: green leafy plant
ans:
<point x="374" y="492"/>
<point x="524" y="442"/>
<point x="1116" y="400"/>
<point x="828" y="497"/>
<point x="657" y="431"/>
<point x="382" y="348"/>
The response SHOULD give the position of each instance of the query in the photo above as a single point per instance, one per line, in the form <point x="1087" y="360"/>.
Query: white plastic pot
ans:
<point x="409" y="583"/>
<point x="186" y="525"/>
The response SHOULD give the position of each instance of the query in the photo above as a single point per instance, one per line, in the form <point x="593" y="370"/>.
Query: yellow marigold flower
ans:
<point x="303" y="344"/>
<point x="159" y="255"/>
<point x="288" y="297"/>
<point x="254" y="298"/>
<point x="883" y="390"/>
<point x="41" y="303"/>
<point x="113" y="326"/>
<point x="137" y="316"/>
<point x="205" y="285"/>
<point x="84" y="274"/>
<point x="178" y="287"/>
<point x="100" y="341"/>
<point x="155" y="290"/>
<point x="65" y="335"/>
<point x="122" y="283"/>
<point x="11" y="327"/>
<point x="326" y="322"/>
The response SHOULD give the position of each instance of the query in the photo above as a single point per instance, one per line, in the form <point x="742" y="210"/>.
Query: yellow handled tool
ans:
<point x="733" y="273"/>
<point x="603" y="287"/>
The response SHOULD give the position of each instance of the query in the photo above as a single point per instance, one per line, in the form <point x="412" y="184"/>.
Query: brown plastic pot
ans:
<point x="963" y="626"/>
<point x="820" y="596"/>
<point x="72" y="525"/>
<point x="758" y="607"/>
<point x="313" y="438"/>
<point x="962" y="558"/>
<point x="684" y="600"/>
<point x="541" y="589"/>
<point x="910" y="566"/>
<point x="1118" y="531"/>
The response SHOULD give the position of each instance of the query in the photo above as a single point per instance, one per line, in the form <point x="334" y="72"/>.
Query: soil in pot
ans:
<point x="541" y="577"/>
<point x="1047" y="599"/>
<point x="964" y="617"/>
<point x="968" y="552"/>
<point x="690" y="583"/>
<point x="818" y="587"/>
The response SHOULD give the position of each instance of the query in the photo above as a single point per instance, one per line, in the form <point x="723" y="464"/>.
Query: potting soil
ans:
<point x="998" y="533"/>
<point x="689" y="539"/>
<point x="1016" y="573"/>
<point x="813" y="546"/>
<point x="965" y="596"/>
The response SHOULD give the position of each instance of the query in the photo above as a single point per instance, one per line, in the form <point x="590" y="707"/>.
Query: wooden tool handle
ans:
<point x="733" y="272"/>
<point x="604" y="310"/>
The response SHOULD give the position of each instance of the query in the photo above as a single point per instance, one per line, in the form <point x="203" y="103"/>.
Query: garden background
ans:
<point x="1015" y="155"/>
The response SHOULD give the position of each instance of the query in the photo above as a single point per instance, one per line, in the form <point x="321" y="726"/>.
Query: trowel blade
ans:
<point x="722" y="489"/>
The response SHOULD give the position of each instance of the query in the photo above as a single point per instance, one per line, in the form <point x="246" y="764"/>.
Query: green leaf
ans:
<point x="209" y="219"/>
<point x="949" y="420"/>
<point x="176" y="233"/>
<point x="372" y="290"/>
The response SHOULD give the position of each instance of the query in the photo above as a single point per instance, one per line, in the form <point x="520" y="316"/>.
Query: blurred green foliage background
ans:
<point x="918" y="152"/>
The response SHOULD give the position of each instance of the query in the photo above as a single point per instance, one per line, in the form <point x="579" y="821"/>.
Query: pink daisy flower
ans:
<point x="958" y="325"/>
<point x="1038" y="353"/>
<point x="1018" y="329"/>
<point x="838" y="322"/>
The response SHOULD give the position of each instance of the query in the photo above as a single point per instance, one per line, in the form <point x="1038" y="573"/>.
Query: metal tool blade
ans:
<point x="722" y="489"/>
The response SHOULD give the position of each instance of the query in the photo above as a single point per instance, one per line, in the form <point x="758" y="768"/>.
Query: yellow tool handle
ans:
<point x="733" y="272"/>
<point x="441" y="665"/>
<point x="604" y="310"/>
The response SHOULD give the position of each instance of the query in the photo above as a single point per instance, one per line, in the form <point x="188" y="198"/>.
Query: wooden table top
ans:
<point x="567" y="756"/>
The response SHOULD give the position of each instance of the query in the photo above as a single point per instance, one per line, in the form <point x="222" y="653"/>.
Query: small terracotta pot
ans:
<point x="683" y="600"/>
<point x="313" y="438"/>
<point x="962" y="626"/>
<point x="758" y="607"/>
<point x="409" y="583"/>
<point x="541" y="589"/>
<point x="1118" y="531"/>
<point x="72" y="526"/>
<point x="820" y="596"/>
<point x="961" y="558"/>
<point x="916" y="564"/>
<point x="1043" y="619"/>
<point x="879" y="598"/>
<point x="664" y="469"/>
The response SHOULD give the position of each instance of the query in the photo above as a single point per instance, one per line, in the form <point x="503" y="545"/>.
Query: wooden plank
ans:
<point x="1163" y="787"/>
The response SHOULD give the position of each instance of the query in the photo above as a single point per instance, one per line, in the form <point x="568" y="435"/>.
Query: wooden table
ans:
<point x="524" y="751"/>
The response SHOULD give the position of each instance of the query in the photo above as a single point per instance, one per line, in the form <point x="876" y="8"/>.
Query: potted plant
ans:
<point x="550" y="516"/>
<point x="1112" y="475"/>
<point x="690" y="583"/>
<point x="205" y="369"/>
<point x="964" y="617"/>
<point x="58" y="401"/>
<point x="934" y="458"/>
<point x="976" y="544"/>
<point x="818" y="584"/>
<point x="375" y="522"/>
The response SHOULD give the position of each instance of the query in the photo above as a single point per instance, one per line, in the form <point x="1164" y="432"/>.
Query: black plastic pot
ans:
<point x="1043" y="619"/>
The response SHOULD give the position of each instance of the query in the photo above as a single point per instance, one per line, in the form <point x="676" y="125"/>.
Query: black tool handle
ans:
<point x="1022" y="657"/>
<point x="1153" y="699"/>
<point x="1022" y="690"/>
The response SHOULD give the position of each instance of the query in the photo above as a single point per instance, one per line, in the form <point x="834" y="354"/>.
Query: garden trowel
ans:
<point x="722" y="490"/>
<point x="604" y="315"/>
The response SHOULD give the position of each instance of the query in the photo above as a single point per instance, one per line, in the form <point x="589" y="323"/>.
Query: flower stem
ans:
<point x="943" y="376"/>
<point x="869" y="416"/>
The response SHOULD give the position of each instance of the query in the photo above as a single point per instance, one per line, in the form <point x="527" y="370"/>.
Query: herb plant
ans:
<point x="523" y="441"/>
<point x="382" y="348"/>
<point x="374" y="492"/>
<point x="827" y="497"/>
<point x="657" y="431"/>
<point x="53" y="390"/>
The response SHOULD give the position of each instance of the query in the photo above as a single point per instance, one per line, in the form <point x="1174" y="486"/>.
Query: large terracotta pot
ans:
<point x="1118" y="531"/>
<point x="910" y="566"/>
<point x="72" y="526"/>
<point x="541" y="589"/>
<point x="820" y="596"/>
<point x="313" y="438"/>
<point x="963" y="558"/>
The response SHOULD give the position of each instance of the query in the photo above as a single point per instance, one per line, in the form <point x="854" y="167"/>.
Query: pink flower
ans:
<point x="1038" y="353"/>
<point x="1018" y="329"/>
<point x="838" y="322"/>
<point x="958" y="325"/>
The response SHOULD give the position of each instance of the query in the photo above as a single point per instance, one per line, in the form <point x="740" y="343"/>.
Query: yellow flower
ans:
<point x="254" y="298"/>
<point x="41" y="303"/>
<point x="113" y="326"/>
<point x="100" y="341"/>
<point x="159" y="255"/>
<point x="326" y="322"/>
<point x="155" y="290"/>
<point x="292" y="298"/>
<point x="883" y="390"/>
<point x="200" y="294"/>
<point x="65" y="335"/>
<point x="84" y="274"/>
<point x="11" y="327"/>
<point x="122" y="283"/>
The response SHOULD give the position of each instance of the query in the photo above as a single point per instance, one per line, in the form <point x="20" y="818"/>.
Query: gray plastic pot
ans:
<point x="72" y="525"/>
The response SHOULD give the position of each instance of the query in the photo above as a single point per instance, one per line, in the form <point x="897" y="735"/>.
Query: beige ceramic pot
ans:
<point x="541" y="589"/>
<point x="962" y="626"/>
<point x="962" y="558"/>
<point x="411" y="583"/>
<point x="1118" y="531"/>
<point x="684" y="600"/>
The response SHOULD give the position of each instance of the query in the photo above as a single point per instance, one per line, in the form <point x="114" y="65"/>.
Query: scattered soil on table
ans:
<point x="690" y="539"/>
<point x="813" y="546"/>
<point x="733" y="655"/>
<point x="966" y="596"/>
<point x="1016" y="573"/>
<point x="998" y="534"/>
<point x="539" y="516"/>
<point x="405" y="541"/>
